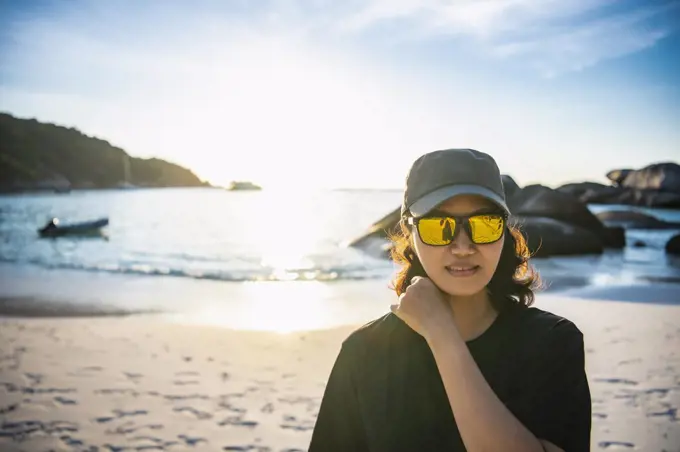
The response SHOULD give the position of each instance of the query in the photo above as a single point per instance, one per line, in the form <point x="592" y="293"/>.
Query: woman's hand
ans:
<point x="424" y="308"/>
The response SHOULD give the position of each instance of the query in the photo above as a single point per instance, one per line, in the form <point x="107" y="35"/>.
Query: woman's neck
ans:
<point x="473" y="314"/>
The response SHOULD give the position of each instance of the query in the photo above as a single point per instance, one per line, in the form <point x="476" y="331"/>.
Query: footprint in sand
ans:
<point x="197" y="413"/>
<point x="129" y="427"/>
<point x="248" y="448"/>
<point x="119" y="414"/>
<point x="617" y="444"/>
<point x="237" y="421"/>
<point x="33" y="379"/>
<point x="65" y="401"/>
<point x="9" y="408"/>
<point x="20" y="430"/>
<point x="185" y="382"/>
<point x="293" y="423"/>
<point x="187" y="373"/>
<point x="268" y="408"/>
<point x="672" y="414"/>
<point x="132" y="376"/>
<point x="189" y="441"/>
<point x="624" y="381"/>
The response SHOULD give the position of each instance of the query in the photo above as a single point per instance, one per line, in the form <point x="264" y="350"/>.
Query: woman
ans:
<point x="462" y="362"/>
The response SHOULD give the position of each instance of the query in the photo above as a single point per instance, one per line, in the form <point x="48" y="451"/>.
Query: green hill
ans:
<point x="36" y="155"/>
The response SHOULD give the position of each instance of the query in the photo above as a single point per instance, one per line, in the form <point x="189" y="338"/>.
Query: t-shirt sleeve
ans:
<point x="556" y="402"/>
<point x="338" y="425"/>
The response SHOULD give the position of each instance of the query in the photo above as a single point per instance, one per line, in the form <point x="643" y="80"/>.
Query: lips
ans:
<point x="462" y="270"/>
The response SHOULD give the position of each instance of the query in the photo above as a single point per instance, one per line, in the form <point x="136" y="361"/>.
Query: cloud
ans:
<point x="553" y="36"/>
<point x="293" y="83"/>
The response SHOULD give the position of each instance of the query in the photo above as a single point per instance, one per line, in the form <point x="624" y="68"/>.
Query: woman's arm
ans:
<point x="484" y="422"/>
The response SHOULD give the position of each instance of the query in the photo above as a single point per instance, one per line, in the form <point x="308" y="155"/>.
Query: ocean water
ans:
<point x="268" y="235"/>
<point x="201" y="233"/>
<point x="257" y="260"/>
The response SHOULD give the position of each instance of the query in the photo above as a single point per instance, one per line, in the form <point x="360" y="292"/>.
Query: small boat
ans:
<point x="243" y="186"/>
<point x="85" y="228"/>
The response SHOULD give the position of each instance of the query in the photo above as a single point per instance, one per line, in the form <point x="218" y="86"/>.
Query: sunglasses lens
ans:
<point x="436" y="231"/>
<point x="486" y="228"/>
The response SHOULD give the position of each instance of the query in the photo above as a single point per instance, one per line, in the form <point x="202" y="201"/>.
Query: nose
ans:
<point x="462" y="245"/>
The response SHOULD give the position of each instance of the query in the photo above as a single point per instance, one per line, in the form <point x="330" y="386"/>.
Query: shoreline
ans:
<point x="33" y="291"/>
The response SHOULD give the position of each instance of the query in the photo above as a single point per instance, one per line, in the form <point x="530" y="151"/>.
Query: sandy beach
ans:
<point x="145" y="383"/>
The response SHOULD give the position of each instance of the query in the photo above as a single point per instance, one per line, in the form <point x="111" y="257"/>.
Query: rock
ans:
<point x="375" y="245"/>
<point x="614" y="237"/>
<point x="634" y="220"/>
<point x="673" y="245"/>
<point x="592" y="192"/>
<point x="374" y="241"/>
<point x="550" y="237"/>
<point x="510" y="187"/>
<point x="617" y="176"/>
<point x="542" y="201"/>
<point x="658" y="176"/>
<point x="382" y="227"/>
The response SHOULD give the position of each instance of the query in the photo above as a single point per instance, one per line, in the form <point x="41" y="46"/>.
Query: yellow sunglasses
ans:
<point x="441" y="230"/>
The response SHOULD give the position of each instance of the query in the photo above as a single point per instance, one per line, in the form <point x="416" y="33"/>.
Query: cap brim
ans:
<point x="435" y="198"/>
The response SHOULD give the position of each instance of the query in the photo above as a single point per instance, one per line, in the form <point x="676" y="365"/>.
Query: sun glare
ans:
<point x="286" y="231"/>
<point x="281" y="307"/>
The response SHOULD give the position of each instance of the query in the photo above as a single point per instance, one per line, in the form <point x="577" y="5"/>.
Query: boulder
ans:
<point x="374" y="241"/>
<point x="633" y="220"/>
<point x="510" y="187"/>
<point x="618" y="175"/>
<point x="645" y="198"/>
<point x="658" y="176"/>
<point x="592" y="192"/>
<point x="550" y="237"/>
<point x="614" y="237"/>
<point x="542" y="201"/>
<point x="673" y="245"/>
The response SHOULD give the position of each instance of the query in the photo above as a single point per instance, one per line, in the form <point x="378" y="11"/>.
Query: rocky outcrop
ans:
<point x="593" y="193"/>
<point x="634" y="220"/>
<point x="659" y="176"/>
<point x="558" y="221"/>
<point x="510" y="187"/>
<point x="40" y="156"/>
<point x="618" y="175"/>
<point x="550" y="237"/>
<point x="542" y="201"/>
<point x="673" y="245"/>
<point x="554" y="223"/>
<point x="656" y="185"/>
<point x="538" y="201"/>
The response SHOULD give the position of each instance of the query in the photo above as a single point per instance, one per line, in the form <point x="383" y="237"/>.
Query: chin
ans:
<point x="461" y="287"/>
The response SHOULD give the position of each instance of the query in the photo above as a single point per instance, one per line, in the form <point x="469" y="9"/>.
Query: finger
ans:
<point x="415" y="279"/>
<point x="394" y="308"/>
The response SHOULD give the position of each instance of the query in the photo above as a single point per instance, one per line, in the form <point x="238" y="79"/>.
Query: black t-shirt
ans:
<point x="385" y="394"/>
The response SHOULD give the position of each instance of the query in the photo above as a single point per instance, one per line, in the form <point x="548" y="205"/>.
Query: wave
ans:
<point x="264" y="274"/>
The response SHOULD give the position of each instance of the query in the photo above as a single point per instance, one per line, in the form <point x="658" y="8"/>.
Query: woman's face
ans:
<point x="461" y="268"/>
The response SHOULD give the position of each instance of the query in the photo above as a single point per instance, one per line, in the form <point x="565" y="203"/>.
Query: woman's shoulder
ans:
<point x="542" y="321"/>
<point x="376" y="334"/>
<point x="538" y="330"/>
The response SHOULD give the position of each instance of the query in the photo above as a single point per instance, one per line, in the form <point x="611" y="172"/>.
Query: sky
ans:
<point x="348" y="93"/>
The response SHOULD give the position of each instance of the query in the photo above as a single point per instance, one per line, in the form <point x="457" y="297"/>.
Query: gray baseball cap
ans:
<point x="437" y="176"/>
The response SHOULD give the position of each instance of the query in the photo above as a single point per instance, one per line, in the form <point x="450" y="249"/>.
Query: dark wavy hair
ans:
<point x="513" y="282"/>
